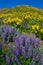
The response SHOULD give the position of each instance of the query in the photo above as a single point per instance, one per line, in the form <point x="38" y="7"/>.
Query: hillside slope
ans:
<point x="24" y="16"/>
<point x="21" y="10"/>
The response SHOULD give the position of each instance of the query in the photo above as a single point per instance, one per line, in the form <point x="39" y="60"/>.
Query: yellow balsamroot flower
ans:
<point x="6" y="15"/>
<point x="1" y="15"/>
<point x="41" y="30"/>
<point x="41" y="18"/>
<point x="5" y="21"/>
<point x="35" y="27"/>
<point x="13" y="19"/>
<point x="9" y="19"/>
<point x="19" y="21"/>
<point x="27" y="16"/>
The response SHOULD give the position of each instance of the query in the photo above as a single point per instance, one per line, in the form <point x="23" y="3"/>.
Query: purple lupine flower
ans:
<point x="38" y="41"/>
<point x="19" y="40"/>
<point x="10" y="29"/>
<point x="23" y="39"/>
<point x="10" y="46"/>
<point x="24" y="25"/>
<point x="30" y="51"/>
<point x="33" y="62"/>
<point x="22" y="51"/>
<point x="34" y="53"/>
<point x="7" y="33"/>
<point x="33" y="41"/>
<point x="3" y="43"/>
<point x="13" y="57"/>
<point x="16" y="60"/>
<point x="16" y="51"/>
<point x="27" y="45"/>
<point x="3" y="35"/>
<point x="41" y="61"/>
<point x="16" y="40"/>
<point x="0" y="31"/>
<point x="38" y="56"/>
<point x="7" y="59"/>
<point x="31" y="45"/>
<point x="32" y="38"/>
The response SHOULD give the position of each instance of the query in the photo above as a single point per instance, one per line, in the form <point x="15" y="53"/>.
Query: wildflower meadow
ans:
<point x="21" y="36"/>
